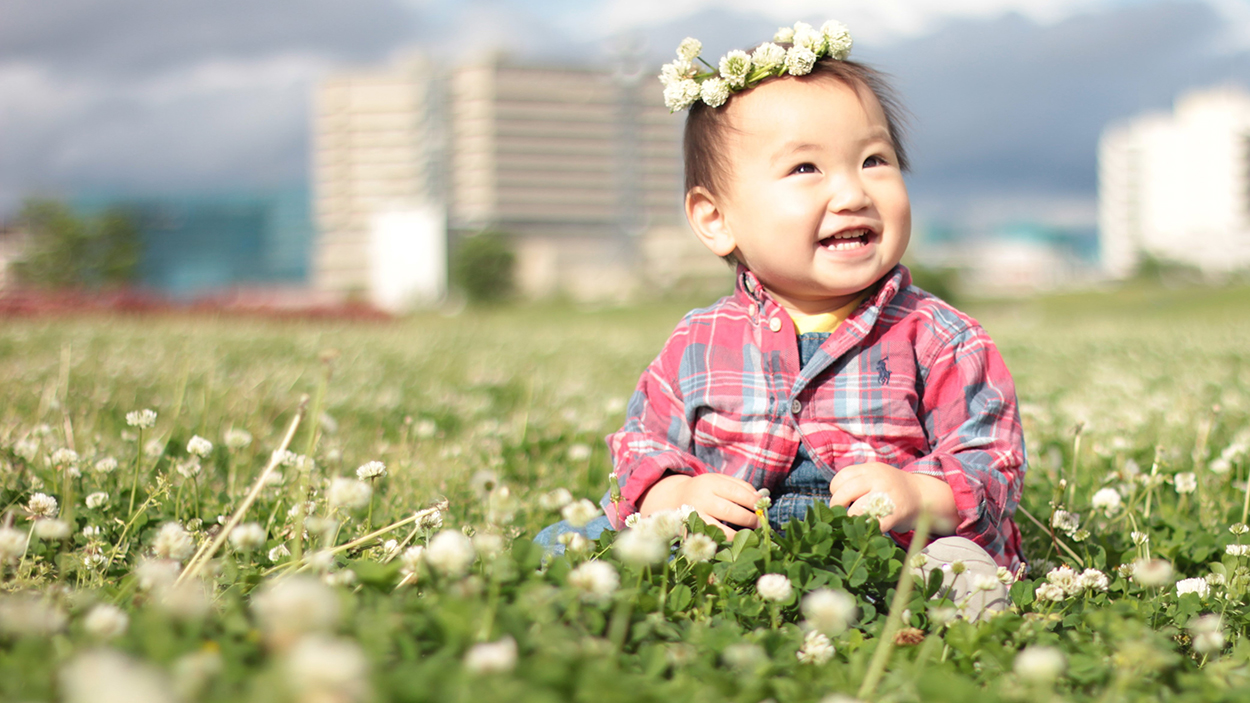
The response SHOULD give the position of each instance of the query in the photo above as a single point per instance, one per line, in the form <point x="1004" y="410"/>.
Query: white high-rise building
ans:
<point x="377" y="182"/>
<point x="1177" y="186"/>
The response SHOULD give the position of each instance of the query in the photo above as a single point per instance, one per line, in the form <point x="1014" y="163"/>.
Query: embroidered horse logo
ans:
<point x="883" y="374"/>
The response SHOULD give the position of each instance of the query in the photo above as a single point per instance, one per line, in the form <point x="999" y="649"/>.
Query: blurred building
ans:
<point x="579" y="167"/>
<point x="196" y="245"/>
<point x="1177" y="186"/>
<point x="378" y="169"/>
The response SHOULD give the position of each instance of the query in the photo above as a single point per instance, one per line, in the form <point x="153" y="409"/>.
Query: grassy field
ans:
<point x="1143" y="391"/>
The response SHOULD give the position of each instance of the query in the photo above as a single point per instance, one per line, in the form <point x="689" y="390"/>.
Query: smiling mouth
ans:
<point x="850" y="239"/>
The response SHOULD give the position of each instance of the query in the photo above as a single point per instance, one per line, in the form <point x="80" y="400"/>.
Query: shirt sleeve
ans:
<point x="971" y="416"/>
<point x="657" y="437"/>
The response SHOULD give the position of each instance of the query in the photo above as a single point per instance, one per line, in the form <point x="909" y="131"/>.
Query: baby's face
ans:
<point x="814" y="202"/>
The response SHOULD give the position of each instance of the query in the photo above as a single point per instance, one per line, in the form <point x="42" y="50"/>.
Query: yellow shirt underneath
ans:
<point x="825" y="321"/>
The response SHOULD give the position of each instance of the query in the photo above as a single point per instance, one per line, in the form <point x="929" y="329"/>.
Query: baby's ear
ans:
<point x="708" y="221"/>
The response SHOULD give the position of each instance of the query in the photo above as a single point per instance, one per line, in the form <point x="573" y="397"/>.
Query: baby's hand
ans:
<point x="908" y="491"/>
<point x="718" y="498"/>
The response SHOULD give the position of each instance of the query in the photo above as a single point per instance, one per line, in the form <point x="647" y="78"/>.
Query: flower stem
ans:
<point x="902" y="592"/>
<point x="134" y="483"/>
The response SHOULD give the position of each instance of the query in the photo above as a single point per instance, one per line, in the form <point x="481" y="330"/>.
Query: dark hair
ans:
<point x="705" y="125"/>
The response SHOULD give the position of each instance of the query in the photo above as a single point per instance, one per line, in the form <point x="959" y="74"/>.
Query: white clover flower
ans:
<point x="237" y="439"/>
<point x="1005" y="576"/>
<point x="744" y="656"/>
<point x="426" y="429"/>
<point x="595" y="581"/>
<point x="1206" y="632"/>
<point x="42" y="504"/>
<point x="411" y="559"/>
<point x="1107" y="500"/>
<point x="1039" y="664"/>
<point x="633" y="520"/>
<point x="784" y="35"/>
<point x="829" y="611"/>
<point x="348" y="493"/>
<point x="1093" y="580"/>
<point x="816" y="649"/>
<point x="153" y="448"/>
<point x="1185" y="483"/>
<point x="808" y="37"/>
<point x="734" y="68"/>
<point x="91" y="531"/>
<point x="26" y="615"/>
<point x="1193" y="585"/>
<point x="141" y="418"/>
<point x="681" y="94"/>
<point x="107" y="465"/>
<point x="488" y="545"/>
<point x="295" y="606"/>
<point x="799" y="60"/>
<point x="1049" y="592"/>
<point x="698" y="547"/>
<point x="774" y="588"/>
<point x="580" y="513"/>
<point x="837" y="39"/>
<point x="450" y="553"/>
<point x="491" y="657"/>
<point x="156" y="574"/>
<point x="373" y="469"/>
<point x="189" y="468"/>
<point x="714" y="92"/>
<point x="574" y="542"/>
<point x="556" y="499"/>
<point x="27" y="449"/>
<point x="279" y="553"/>
<point x="431" y="520"/>
<point x="108" y="676"/>
<point x="248" y="536"/>
<point x="878" y="504"/>
<point x="199" y="446"/>
<point x="1238" y="528"/>
<point x="1065" y="521"/>
<point x="51" y="529"/>
<point x="1216" y="579"/>
<point x="500" y="506"/>
<point x="768" y="56"/>
<point x="320" y="668"/>
<point x="95" y="500"/>
<point x="1139" y="538"/>
<point x="173" y="542"/>
<point x="985" y="582"/>
<point x="1064" y="577"/>
<point x="1238" y="550"/>
<point x="1221" y="466"/>
<point x="106" y="621"/>
<point x="346" y="577"/>
<point x="64" y="457"/>
<point x="579" y="452"/>
<point x="689" y="49"/>
<point x="1152" y="572"/>
<point x="284" y="457"/>
<point x="666" y="525"/>
<point x="640" y="548"/>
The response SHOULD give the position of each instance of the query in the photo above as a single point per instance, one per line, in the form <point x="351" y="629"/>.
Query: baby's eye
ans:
<point x="804" y="168"/>
<point x="875" y="160"/>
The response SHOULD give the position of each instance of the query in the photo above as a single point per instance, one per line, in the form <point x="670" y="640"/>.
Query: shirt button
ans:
<point x="795" y="406"/>
<point x="751" y="310"/>
<point x="775" y="324"/>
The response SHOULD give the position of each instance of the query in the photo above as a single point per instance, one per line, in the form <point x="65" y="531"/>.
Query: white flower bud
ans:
<point x="775" y="588"/>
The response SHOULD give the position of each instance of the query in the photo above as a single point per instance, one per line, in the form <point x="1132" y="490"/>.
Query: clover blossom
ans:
<point x="1107" y="500"/>
<point x="1152" y="572"/>
<point x="12" y="544"/>
<point x="714" y="92"/>
<point x="698" y="547"/>
<point x="51" y="529"/>
<point x="829" y="611"/>
<point x="639" y="547"/>
<point x="580" y="513"/>
<point x="64" y="457"/>
<point x="348" y="493"/>
<point x="775" y="588"/>
<point x="320" y="668"/>
<point x="878" y="504"/>
<point x="450" y="553"/>
<point x="492" y="657"/>
<point x="42" y="504"/>
<point x="816" y="649"/>
<point x="237" y="439"/>
<point x="173" y="542"/>
<point x="574" y="542"/>
<point x="199" y="446"/>
<point x="800" y="60"/>
<point x="107" y="465"/>
<point x="1039" y="664"/>
<point x="142" y="419"/>
<point x="768" y="56"/>
<point x="1206" y="632"/>
<point x="248" y="537"/>
<point x="294" y="606"/>
<point x="689" y="49"/>
<point x="371" y="470"/>
<point x="106" y="621"/>
<point x="1197" y="586"/>
<point x="734" y="68"/>
<point x="595" y="581"/>
<point x="1185" y="483"/>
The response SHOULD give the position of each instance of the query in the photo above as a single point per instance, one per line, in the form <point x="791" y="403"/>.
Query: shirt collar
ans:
<point x="885" y="289"/>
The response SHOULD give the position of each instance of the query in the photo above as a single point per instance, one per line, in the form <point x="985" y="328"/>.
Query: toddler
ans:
<point x="826" y="375"/>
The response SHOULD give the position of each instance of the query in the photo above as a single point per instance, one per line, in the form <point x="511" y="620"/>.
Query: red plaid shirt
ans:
<point x="906" y="380"/>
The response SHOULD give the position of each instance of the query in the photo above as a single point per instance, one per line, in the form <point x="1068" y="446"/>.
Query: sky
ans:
<point x="1008" y="97"/>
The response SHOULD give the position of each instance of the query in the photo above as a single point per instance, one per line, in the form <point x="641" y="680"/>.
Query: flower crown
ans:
<point x="684" y="83"/>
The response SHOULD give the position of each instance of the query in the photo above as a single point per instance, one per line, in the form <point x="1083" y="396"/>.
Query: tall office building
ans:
<point x="378" y="169"/>
<point x="580" y="166"/>
<point x="1177" y="186"/>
